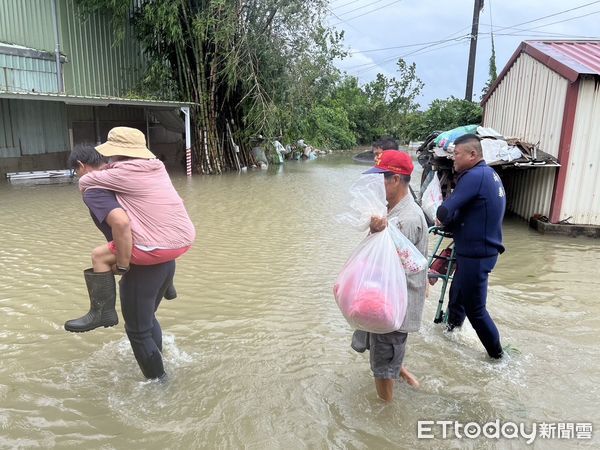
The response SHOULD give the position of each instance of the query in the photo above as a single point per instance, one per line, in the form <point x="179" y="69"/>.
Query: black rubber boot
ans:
<point x="102" y="313"/>
<point x="171" y="293"/>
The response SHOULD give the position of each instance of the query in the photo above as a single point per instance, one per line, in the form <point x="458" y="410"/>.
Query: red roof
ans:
<point x="568" y="58"/>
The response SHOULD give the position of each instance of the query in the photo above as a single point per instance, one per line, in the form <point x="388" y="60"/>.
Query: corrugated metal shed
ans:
<point x="581" y="197"/>
<point x="98" y="64"/>
<point x="549" y="93"/>
<point x="28" y="23"/>
<point x="529" y="192"/>
<point x="580" y="57"/>
<point x="32" y="128"/>
<point x="27" y="70"/>
<point x="528" y="103"/>
<point x="98" y="72"/>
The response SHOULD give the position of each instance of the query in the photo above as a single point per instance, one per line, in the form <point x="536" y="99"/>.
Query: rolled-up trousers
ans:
<point x="141" y="291"/>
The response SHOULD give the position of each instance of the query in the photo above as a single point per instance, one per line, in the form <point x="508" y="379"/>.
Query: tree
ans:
<point x="442" y="115"/>
<point x="250" y="66"/>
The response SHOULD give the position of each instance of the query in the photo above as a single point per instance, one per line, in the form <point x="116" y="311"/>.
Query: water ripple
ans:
<point x="256" y="350"/>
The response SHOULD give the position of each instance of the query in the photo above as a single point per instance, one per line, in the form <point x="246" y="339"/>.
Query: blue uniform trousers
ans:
<point x="468" y="294"/>
<point x="141" y="291"/>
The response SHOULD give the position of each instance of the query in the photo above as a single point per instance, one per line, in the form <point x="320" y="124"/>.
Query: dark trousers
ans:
<point x="141" y="291"/>
<point x="468" y="295"/>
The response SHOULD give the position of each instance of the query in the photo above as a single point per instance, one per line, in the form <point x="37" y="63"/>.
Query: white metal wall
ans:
<point x="529" y="104"/>
<point x="581" y="198"/>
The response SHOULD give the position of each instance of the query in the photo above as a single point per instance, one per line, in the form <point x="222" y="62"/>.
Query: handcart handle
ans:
<point x="440" y="231"/>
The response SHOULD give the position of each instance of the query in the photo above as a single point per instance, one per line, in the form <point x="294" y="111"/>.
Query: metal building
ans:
<point x="549" y="93"/>
<point x="64" y="79"/>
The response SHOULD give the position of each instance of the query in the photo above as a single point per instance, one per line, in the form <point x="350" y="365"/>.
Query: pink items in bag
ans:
<point x="371" y="288"/>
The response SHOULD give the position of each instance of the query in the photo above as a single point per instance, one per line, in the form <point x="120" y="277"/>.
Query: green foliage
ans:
<point x="328" y="127"/>
<point x="377" y="108"/>
<point x="492" y="71"/>
<point x="442" y="115"/>
<point x="266" y="67"/>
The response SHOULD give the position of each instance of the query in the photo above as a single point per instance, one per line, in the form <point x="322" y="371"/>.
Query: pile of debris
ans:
<point x="437" y="151"/>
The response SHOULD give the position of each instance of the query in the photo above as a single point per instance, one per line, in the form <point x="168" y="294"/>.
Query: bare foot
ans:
<point x="409" y="378"/>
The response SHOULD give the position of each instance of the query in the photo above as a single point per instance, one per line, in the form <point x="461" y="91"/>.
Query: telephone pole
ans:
<point x="473" y="50"/>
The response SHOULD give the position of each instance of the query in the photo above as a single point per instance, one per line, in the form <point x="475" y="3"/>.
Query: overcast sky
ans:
<point x="434" y="34"/>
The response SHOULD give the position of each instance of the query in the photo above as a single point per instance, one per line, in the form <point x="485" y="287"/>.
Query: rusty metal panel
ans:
<point x="27" y="74"/>
<point x="28" y="23"/>
<point x="529" y="104"/>
<point x="98" y="64"/>
<point x="581" y="198"/>
<point x="581" y="56"/>
<point x="529" y="191"/>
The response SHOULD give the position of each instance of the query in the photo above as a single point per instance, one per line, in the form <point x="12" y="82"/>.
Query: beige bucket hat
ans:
<point x="125" y="141"/>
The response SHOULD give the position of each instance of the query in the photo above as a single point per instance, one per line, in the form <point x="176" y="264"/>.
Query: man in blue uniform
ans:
<point x="141" y="287"/>
<point x="474" y="213"/>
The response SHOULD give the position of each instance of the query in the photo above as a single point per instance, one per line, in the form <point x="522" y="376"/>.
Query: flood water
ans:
<point x="257" y="352"/>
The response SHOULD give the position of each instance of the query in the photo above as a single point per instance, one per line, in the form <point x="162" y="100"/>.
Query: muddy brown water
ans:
<point x="257" y="352"/>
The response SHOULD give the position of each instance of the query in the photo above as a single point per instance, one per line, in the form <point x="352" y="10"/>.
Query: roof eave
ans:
<point x="91" y="101"/>
<point x="546" y="59"/>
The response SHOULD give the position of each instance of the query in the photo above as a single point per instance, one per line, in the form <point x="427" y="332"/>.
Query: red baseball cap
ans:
<point x="395" y="161"/>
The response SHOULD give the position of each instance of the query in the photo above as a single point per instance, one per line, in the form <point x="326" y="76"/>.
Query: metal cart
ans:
<point x="442" y="257"/>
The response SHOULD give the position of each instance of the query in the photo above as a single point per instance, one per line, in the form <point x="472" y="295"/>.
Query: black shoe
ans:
<point x="102" y="313"/>
<point x="360" y="341"/>
<point x="450" y="327"/>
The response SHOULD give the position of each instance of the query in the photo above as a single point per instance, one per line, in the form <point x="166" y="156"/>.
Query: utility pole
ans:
<point x="473" y="50"/>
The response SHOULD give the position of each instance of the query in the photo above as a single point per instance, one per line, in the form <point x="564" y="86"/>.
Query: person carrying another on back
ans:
<point x="387" y="350"/>
<point x="161" y="229"/>
<point x="474" y="213"/>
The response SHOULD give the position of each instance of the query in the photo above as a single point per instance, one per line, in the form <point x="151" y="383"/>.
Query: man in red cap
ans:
<point x="387" y="350"/>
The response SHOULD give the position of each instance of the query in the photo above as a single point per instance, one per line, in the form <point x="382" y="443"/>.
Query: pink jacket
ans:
<point x="143" y="188"/>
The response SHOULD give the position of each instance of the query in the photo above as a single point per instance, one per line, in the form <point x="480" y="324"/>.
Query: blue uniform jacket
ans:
<point x="474" y="212"/>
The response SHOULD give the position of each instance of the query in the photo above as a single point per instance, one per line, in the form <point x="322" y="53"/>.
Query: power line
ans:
<point x="491" y="21"/>
<point x="561" y="21"/>
<point x="342" y="20"/>
<point x="346" y="4"/>
<point x="420" y="51"/>
<point x="424" y="50"/>
<point x="361" y="7"/>
<point x="550" y="15"/>
<point x="522" y="32"/>
<point x="442" y="41"/>
<point x="372" y="11"/>
<point x="445" y="39"/>
<point x="415" y="53"/>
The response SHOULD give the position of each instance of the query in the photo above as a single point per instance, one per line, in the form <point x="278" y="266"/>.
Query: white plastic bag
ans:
<point x="371" y="287"/>
<point x="411" y="258"/>
<point x="432" y="197"/>
<point x="368" y="199"/>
